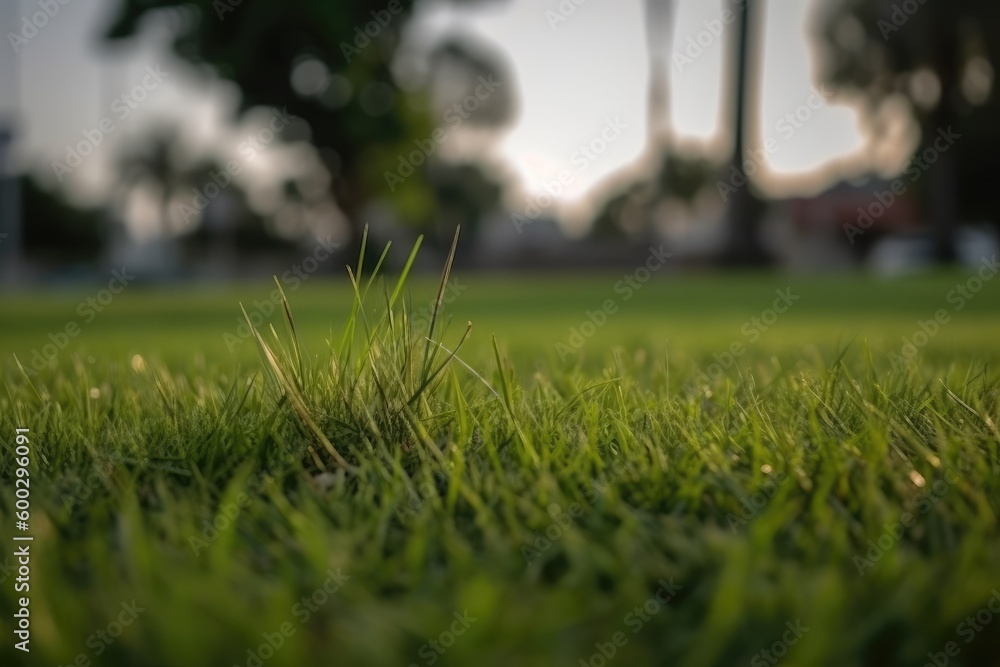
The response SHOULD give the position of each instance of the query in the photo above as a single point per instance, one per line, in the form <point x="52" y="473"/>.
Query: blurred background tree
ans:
<point x="156" y="163"/>
<point x="934" y="62"/>
<point x="334" y="65"/>
<point x="60" y="232"/>
<point x="376" y="138"/>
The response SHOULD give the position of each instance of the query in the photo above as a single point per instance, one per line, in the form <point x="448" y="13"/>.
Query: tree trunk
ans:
<point x="744" y="210"/>
<point x="943" y="195"/>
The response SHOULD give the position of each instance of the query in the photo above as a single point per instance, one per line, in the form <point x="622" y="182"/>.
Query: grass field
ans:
<point x="702" y="481"/>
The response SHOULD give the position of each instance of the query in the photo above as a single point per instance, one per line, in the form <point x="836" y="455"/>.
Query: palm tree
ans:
<point x="659" y="29"/>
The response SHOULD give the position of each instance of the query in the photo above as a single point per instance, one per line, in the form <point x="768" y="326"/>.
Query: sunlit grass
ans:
<point x="546" y="498"/>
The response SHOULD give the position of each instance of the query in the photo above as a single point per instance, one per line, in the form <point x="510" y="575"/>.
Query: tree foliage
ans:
<point x="939" y="60"/>
<point x="331" y="64"/>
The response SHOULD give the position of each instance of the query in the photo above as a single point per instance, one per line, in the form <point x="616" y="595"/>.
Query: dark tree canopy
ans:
<point x="329" y="64"/>
<point x="940" y="58"/>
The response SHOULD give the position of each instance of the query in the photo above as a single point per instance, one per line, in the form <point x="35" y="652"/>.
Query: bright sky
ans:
<point x="572" y="77"/>
<point x="575" y="74"/>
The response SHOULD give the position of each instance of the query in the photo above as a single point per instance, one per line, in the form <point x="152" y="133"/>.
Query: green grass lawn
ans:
<point x="701" y="481"/>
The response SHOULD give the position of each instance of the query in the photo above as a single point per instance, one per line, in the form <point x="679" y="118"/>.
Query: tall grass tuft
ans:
<point x="382" y="372"/>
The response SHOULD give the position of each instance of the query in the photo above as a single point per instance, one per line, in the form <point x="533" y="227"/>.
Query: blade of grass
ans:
<point x="294" y="397"/>
<point x="505" y="387"/>
<point x="348" y="337"/>
<point x="445" y="275"/>
<point x="432" y="376"/>
<point x="290" y="322"/>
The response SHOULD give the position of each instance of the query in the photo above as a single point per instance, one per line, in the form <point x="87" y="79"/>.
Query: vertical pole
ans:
<point x="742" y="214"/>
